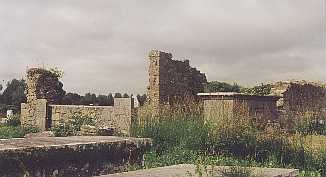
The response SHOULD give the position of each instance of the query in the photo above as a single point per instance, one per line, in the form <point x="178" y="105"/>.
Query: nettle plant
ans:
<point x="73" y="126"/>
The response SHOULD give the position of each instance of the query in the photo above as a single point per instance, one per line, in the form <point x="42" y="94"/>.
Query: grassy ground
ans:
<point x="315" y="142"/>
<point x="186" y="138"/>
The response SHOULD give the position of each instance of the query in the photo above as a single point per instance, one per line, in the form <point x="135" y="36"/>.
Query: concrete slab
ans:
<point x="186" y="170"/>
<point x="64" y="142"/>
<point x="70" y="156"/>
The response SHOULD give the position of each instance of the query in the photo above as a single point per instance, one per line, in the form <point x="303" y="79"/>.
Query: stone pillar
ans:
<point x="43" y="87"/>
<point x="34" y="114"/>
<point x="123" y="113"/>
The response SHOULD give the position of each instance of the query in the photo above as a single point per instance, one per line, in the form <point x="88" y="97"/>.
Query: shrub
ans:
<point x="311" y="126"/>
<point x="7" y="132"/>
<point x="63" y="129"/>
<point x="73" y="125"/>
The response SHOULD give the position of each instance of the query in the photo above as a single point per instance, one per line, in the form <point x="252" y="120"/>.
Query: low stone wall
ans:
<point x="223" y="105"/>
<point x="69" y="156"/>
<point x="38" y="113"/>
<point x="118" y="116"/>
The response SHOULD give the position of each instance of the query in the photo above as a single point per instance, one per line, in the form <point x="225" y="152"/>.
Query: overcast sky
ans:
<point x="102" y="45"/>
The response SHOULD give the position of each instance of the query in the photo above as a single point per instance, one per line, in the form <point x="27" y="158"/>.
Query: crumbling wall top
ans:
<point x="43" y="84"/>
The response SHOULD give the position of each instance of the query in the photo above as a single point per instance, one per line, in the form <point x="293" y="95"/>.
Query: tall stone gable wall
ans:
<point x="172" y="81"/>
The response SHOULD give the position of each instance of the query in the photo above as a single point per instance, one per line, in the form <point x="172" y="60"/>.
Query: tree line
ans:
<point x="14" y="93"/>
<point x="215" y="86"/>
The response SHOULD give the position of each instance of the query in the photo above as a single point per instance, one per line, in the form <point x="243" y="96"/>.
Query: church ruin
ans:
<point x="172" y="81"/>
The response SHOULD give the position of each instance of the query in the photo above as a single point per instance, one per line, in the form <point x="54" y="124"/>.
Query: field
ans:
<point x="184" y="137"/>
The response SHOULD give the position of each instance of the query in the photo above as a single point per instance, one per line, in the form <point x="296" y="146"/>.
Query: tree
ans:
<point x="14" y="94"/>
<point x="72" y="99"/>
<point x="110" y="100"/>
<point x="117" y="95"/>
<point x="216" y="86"/>
<point x="89" y="99"/>
<point x="102" y="100"/>
<point x="125" y="95"/>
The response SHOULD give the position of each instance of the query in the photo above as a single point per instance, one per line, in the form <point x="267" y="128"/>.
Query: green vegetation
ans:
<point x="7" y="132"/>
<point x="182" y="136"/>
<point x="73" y="125"/>
<point x="215" y="86"/>
<point x="263" y="89"/>
<point x="13" y="129"/>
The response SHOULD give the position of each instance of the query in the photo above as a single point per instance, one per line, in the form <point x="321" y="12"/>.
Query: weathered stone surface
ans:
<point x="34" y="114"/>
<point x="44" y="90"/>
<point x="117" y="117"/>
<point x="69" y="156"/>
<point x="300" y="98"/>
<point x="43" y="84"/>
<point x="189" y="170"/>
<point x="172" y="81"/>
<point x="40" y="134"/>
<point x="223" y="105"/>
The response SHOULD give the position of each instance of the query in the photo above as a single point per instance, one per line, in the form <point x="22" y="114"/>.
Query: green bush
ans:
<point x="73" y="125"/>
<point x="7" y="132"/>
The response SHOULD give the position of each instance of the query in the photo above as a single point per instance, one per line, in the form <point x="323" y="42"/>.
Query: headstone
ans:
<point x="10" y="113"/>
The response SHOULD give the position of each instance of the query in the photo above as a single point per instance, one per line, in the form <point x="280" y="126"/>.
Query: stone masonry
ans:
<point x="221" y="105"/>
<point x="300" y="98"/>
<point x="43" y="87"/>
<point x="116" y="117"/>
<point x="172" y="81"/>
<point x="43" y="84"/>
<point x="81" y="156"/>
<point x="44" y="91"/>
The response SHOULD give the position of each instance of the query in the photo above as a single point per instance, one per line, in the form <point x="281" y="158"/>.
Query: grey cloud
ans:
<point x="102" y="45"/>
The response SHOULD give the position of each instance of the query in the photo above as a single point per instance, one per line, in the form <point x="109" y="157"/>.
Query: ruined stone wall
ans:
<point x="44" y="91"/>
<point x="34" y="114"/>
<point x="118" y="117"/>
<point x="43" y="87"/>
<point x="221" y="107"/>
<point x="300" y="98"/>
<point x="263" y="110"/>
<point x="43" y="84"/>
<point x="172" y="81"/>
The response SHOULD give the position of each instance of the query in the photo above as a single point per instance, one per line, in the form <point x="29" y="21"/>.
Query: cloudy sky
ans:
<point x="102" y="45"/>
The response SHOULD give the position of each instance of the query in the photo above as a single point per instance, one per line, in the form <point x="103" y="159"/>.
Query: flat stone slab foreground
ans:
<point x="70" y="156"/>
<point x="190" y="171"/>
<point x="16" y="144"/>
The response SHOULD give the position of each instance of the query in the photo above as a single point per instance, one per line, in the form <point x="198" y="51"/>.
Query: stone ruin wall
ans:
<point x="44" y="91"/>
<point x="43" y="87"/>
<point x="300" y="98"/>
<point x="43" y="84"/>
<point x="118" y="117"/>
<point x="172" y="81"/>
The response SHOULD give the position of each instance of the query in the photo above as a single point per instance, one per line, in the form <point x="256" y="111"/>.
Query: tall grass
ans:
<point x="182" y="135"/>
